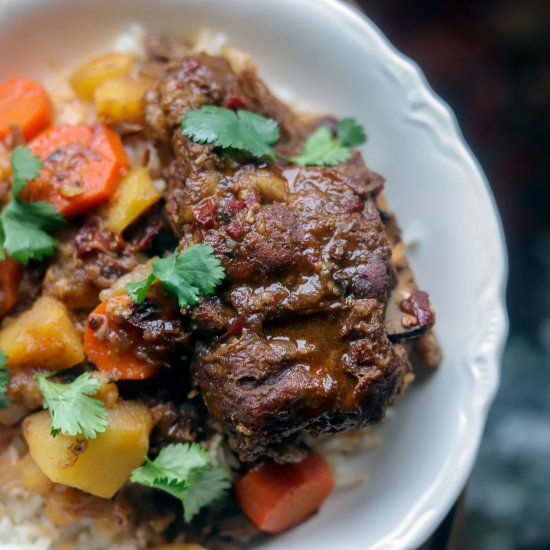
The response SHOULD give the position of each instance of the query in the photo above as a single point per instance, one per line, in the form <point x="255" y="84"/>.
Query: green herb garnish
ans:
<point x="4" y="380"/>
<point x="73" y="409"/>
<point x="228" y="129"/>
<point x="246" y="131"/>
<point x="189" y="275"/>
<point x="24" y="225"/>
<point x="184" y="471"/>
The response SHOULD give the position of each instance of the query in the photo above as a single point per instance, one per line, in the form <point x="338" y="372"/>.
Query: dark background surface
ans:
<point x="490" y="60"/>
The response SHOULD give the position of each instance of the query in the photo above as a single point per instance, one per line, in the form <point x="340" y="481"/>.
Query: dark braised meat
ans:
<point x="182" y="423"/>
<point x="201" y="79"/>
<point x="299" y="339"/>
<point x="408" y="318"/>
<point x="92" y="259"/>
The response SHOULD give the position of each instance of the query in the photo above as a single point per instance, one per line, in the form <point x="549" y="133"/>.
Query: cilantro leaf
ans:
<point x="184" y="471"/>
<point x="4" y="372"/>
<point x="173" y="464"/>
<point x="188" y="275"/>
<point x="350" y="132"/>
<point x="197" y="267"/>
<point x="247" y="131"/>
<point x="225" y="128"/>
<point x="23" y="225"/>
<point x="4" y="380"/>
<point x="138" y="291"/>
<point x="321" y="149"/>
<point x="206" y="488"/>
<point x="24" y="166"/>
<point x="73" y="409"/>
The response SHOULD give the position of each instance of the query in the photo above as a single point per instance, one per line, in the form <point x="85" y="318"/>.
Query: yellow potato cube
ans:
<point x="89" y="76"/>
<point x="97" y="466"/>
<point x="135" y="194"/>
<point x="42" y="337"/>
<point x="120" y="99"/>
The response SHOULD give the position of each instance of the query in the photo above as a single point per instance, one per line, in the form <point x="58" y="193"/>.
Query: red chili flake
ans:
<point x="236" y="326"/>
<point x="234" y="102"/>
<point x="234" y="329"/>
<point x="235" y="230"/>
<point x="205" y="213"/>
<point x="418" y="304"/>
<point x="234" y="206"/>
<point x="356" y="204"/>
<point x="253" y="197"/>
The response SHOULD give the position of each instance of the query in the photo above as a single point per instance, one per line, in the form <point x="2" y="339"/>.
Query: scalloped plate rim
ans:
<point x="496" y="308"/>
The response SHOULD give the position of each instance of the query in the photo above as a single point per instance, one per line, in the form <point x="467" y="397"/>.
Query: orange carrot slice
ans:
<point x="83" y="166"/>
<point x="278" y="496"/>
<point x="123" y="365"/>
<point x="26" y="104"/>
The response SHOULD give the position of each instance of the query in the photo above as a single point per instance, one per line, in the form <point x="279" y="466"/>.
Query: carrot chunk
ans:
<point x="83" y="166"/>
<point x="123" y="365"/>
<point x="278" y="496"/>
<point x="26" y="104"/>
<point x="10" y="275"/>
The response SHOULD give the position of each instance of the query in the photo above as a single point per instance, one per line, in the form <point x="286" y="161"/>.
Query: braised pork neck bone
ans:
<point x="297" y="339"/>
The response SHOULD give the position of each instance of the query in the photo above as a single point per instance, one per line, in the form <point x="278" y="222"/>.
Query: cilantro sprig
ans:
<point x="228" y="129"/>
<point x="24" y="167"/>
<point x="184" y="471"/>
<point x="247" y="131"/>
<point x="24" y="225"/>
<point x="194" y="272"/>
<point x="4" y="380"/>
<point x="350" y="132"/>
<point x="322" y="149"/>
<point x="73" y="409"/>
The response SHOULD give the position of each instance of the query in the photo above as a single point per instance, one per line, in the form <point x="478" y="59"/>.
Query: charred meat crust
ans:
<point x="90" y="259"/>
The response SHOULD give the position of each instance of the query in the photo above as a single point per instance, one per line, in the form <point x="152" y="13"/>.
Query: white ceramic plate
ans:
<point x="336" y="60"/>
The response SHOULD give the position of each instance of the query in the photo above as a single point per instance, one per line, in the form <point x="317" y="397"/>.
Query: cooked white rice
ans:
<point x="24" y="525"/>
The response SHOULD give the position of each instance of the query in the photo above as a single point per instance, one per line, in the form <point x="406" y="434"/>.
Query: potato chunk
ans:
<point x="42" y="337"/>
<point x="120" y="99"/>
<point x="90" y="75"/>
<point x="97" y="466"/>
<point x="135" y="194"/>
